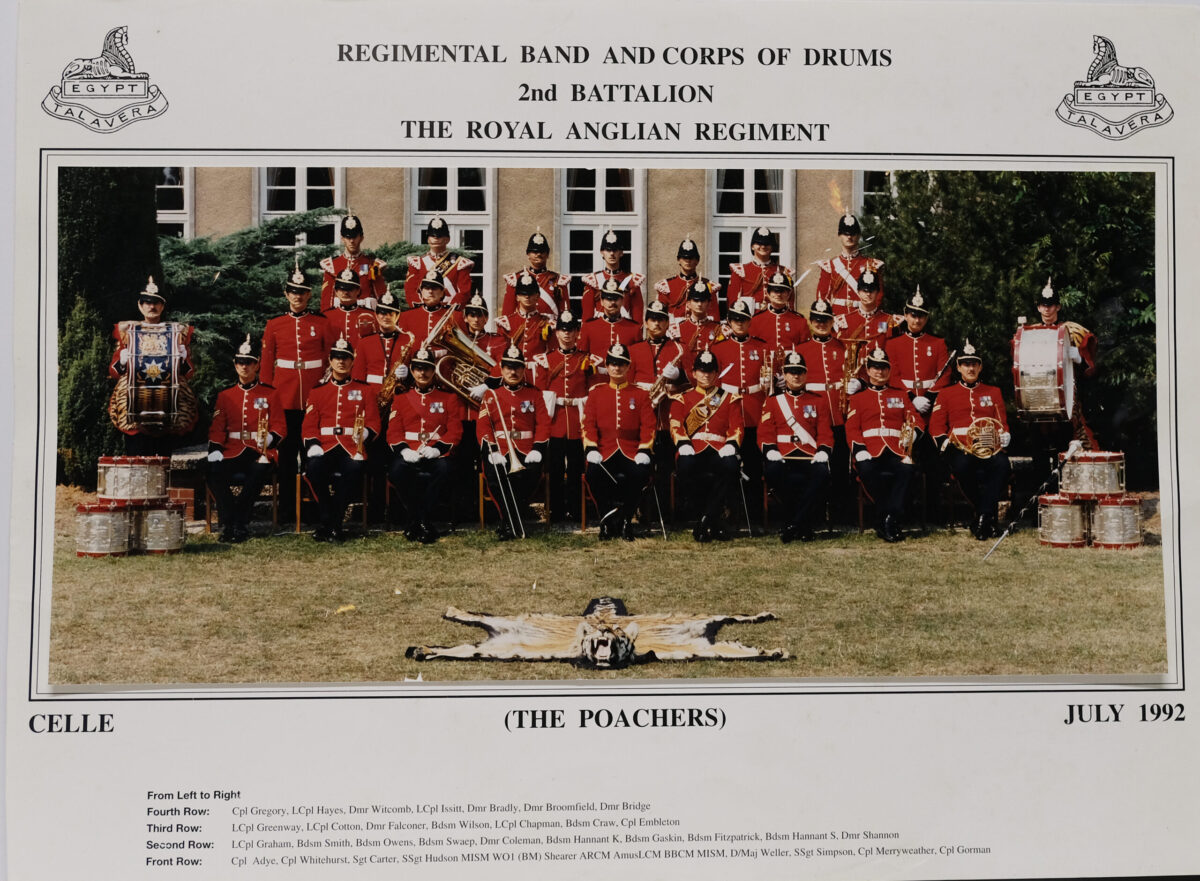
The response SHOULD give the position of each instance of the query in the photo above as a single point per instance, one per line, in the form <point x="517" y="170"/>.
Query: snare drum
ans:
<point x="136" y="479"/>
<point x="102" y="529"/>
<point x="1042" y="376"/>
<point x="1117" y="523"/>
<point x="1092" y="475"/>
<point x="160" y="528"/>
<point x="1061" y="522"/>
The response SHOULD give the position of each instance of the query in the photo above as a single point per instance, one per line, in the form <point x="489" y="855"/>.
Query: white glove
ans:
<point x="686" y="450"/>
<point x="430" y="452"/>
<point x="409" y="455"/>
<point x="401" y="371"/>
<point x="820" y="457"/>
<point x="1074" y="353"/>
<point x="862" y="456"/>
<point x="1005" y="437"/>
<point x="671" y="371"/>
<point x="496" y="458"/>
<point x="124" y="356"/>
<point x="551" y="403"/>
<point x="774" y="456"/>
<point x="533" y="458"/>
<point x="315" y="450"/>
<point x="727" y="450"/>
<point x="216" y="456"/>
<point x="594" y="457"/>
<point x="641" y="459"/>
<point x="922" y="404"/>
<point x="854" y="386"/>
<point x="1073" y="448"/>
<point x="183" y="352"/>
<point x="477" y="391"/>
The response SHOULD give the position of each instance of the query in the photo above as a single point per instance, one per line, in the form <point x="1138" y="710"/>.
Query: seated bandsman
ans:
<point x="610" y="327"/>
<point x="562" y="375"/>
<point x="673" y="292"/>
<point x="796" y="437"/>
<point x="748" y="280"/>
<point x="424" y="427"/>
<point x="552" y="287"/>
<point x="526" y="327"/>
<point x="618" y="435"/>
<point x="881" y="428"/>
<point x="247" y="426"/>
<point x="629" y="283"/>
<point x="347" y="319"/>
<point x="706" y="426"/>
<point x="656" y="365"/>
<point x="514" y="429"/>
<point x="455" y="272"/>
<point x="367" y="269"/>
<point x="839" y="279"/>
<point x="341" y="419"/>
<point x="421" y="320"/>
<point x="697" y="329"/>
<point x="970" y="427"/>
<point x="778" y="325"/>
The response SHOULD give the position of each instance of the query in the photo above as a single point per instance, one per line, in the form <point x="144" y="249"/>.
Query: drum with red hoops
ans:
<point x="1061" y="522"/>
<point x="1043" y="380"/>
<point x="1117" y="522"/>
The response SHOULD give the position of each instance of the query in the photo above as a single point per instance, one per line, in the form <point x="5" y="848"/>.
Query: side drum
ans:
<point x="1117" y="523"/>
<point x="159" y="529"/>
<point x="1061" y="522"/>
<point x="102" y="529"/>
<point x="137" y="479"/>
<point x="1092" y="475"/>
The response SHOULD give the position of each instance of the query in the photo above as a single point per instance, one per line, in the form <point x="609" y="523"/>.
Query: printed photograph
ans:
<point x="340" y="425"/>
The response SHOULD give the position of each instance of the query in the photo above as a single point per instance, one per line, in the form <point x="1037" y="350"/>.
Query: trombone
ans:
<point x="508" y="496"/>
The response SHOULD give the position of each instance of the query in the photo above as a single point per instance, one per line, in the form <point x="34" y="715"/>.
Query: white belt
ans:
<point x="738" y="390"/>
<point x="234" y="435"/>
<point x="911" y="383"/>
<point x="336" y="429"/>
<point x="374" y="379"/>
<point x="303" y="365"/>
<point x="514" y="435"/>
<point x="960" y="430"/>
<point x="418" y="435"/>
<point x="710" y="436"/>
<point x="788" y="439"/>
<point x="569" y="402"/>
<point x="821" y="386"/>
<point x="842" y="301"/>
<point x="882" y="432"/>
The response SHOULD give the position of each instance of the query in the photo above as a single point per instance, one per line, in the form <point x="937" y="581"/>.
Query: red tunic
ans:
<point x="430" y="417"/>
<point x="696" y="336"/>
<point x="876" y="416"/>
<point x="825" y="361"/>
<point x="630" y="282"/>
<point x="236" y="416"/>
<point x="371" y="283"/>
<point x="916" y="360"/>
<point x="420" y="322"/>
<point x="960" y="404"/>
<point x="333" y="408"/>
<point x="724" y="425"/>
<point x="618" y="419"/>
<point x="838" y="282"/>
<point x="552" y="292"/>
<point x="517" y="416"/>
<point x="378" y="355"/>
<point x="295" y="351"/>
<point x="783" y="330"/>
<point x="456" y="278"/>
<point x="529" y="332"/>
<point x="352" y="324"/>
<point x="647" y="361"/>
<point x="565" y="375"/>
<point x="875" y="328"/>
<point x="741" y="371"/>
<point x="749" y="280"/>
<point x="674" y="293"/>
<point x="795" y="425"/>
<point x="598" y="336"/>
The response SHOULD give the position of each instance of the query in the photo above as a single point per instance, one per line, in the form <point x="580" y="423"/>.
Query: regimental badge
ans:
<point x="527" y="407"/>
<point x="437" y="407"/>
<point x="1116" y="100"/>
<point x="260" y="403"/>
<point x="895" y="404"/>
<point x="355" y="394"/>
<point x="810" y="412"/>
<point x="312" y="331"/>
<point x="985" y="401"/>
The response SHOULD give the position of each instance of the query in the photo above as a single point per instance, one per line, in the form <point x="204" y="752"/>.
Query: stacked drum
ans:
<point x="133" y="513"/>
<point x="1091" y="506"/>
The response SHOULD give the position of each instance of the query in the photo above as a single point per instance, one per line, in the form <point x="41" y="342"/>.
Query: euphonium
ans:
<point x="467" y="365"/>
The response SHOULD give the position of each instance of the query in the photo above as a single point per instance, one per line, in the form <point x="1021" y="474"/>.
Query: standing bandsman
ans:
<point x="421" y="320"/>
<point x="341" y="419"/>
<point x="674" y="291"/>
<point x="697" y="330"/>
<point x="618" y="435"/>
<point x="366" y="269"/>
<point x="347" y="318"/>
<point x="527" y="328"/>
<point x="455" y="272"/>
<point x="868" y="323"/>
<point x="151" y="373"/>
<point x="656" y="365"/>
<point x="796" y="436"/>
<point x="611" y="326"/>
<point x="553" y="295"/>
<point x="839" y="279"/>
<point x="881" y="428"/>
<point x="246" y="429"/>
<point x="825" y="357"/>
<point x="969" y="425"/>
<point x="562" y="375"/>
<point x="424" y="426"/>
<point x="595" y="283"/>
<point x="294" y="347"/>
<point x="706" y="426"/>
<point x="466" y="455"/>
<point x="747" y="374"/>
<point x="778" y="325"/>
<point x="513" y="427"/>
<point x="748" y="280"/>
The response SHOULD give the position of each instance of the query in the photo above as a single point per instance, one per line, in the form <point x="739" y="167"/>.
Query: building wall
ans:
<point x="380" y="197"/>
<point x="224" y="200"/>
<point x="676" y="206"/>
<point x="525" y="200"/>
<point x="816" y="224"/>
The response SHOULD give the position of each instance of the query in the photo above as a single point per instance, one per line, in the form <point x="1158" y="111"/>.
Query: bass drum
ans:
<point x="1043" y="379"/>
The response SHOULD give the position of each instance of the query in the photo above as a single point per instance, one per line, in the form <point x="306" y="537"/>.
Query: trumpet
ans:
<point x="263" y="433"/>
<point x="360" y="431"/>
<point x="850" y="367"/>
<point x="908" y="434"/>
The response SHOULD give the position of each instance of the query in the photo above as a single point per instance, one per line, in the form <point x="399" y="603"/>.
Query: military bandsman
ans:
<point x="778" y="325"/>
<point x="367" y="270"/>
<point x="455" y="272"/>
<point x="840" y="276"/>
<point x="867" y="323"/>
<point x="526" y="327"/>
<point x="697" y="330"/>
<point x="347" y="318"/>
<point x="421" y="320"/>
<point x="611" y="326"/>
<point x="629" y="283"/>
<point x="749" y="280"/>
<point x="553" y="295"/>
<point x="673" y="292"/>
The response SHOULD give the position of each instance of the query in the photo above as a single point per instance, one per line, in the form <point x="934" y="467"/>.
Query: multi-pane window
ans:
<point x="291" y="190"/>
<point x="744" y="199"/>
<point x="595" y="200"/>
<point x="173" y="202"/>
<point x="744" y="191"/>
<point x="464" y="199"/>
<point x="876" y="190"/>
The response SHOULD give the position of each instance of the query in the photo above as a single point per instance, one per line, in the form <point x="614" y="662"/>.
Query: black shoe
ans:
<point x="338" y="535"/>
<point x="322" y="534"/>
<point x="504" y="533"/>
<point x="891" y="530"/>
<point x="720" y="532"/>
<point x="428" y="534"/>
<point x="789" y="533"/>
<point x="806" y="534"/>
<point x="240" y="534"/>
<point x="628" y="533"/>
<point x="700" y="532"/>
<point x="990" y="526"/>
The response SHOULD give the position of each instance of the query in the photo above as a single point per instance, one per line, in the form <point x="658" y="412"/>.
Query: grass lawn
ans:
<point x="285" y="609"/>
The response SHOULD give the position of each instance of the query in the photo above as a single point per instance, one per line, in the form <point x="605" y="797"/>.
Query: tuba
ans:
<point x="466" y="365"/>
<point x="983" y="438"/>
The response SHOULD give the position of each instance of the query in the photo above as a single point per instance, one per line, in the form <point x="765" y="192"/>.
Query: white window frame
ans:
<point x="783" y="225"/>
<point x="860" y="186"/>
<point x="339" y="198"/>
<point x="186" y="215"/>
<point x="461" y="221"/>
<point x="601" y="221"/>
